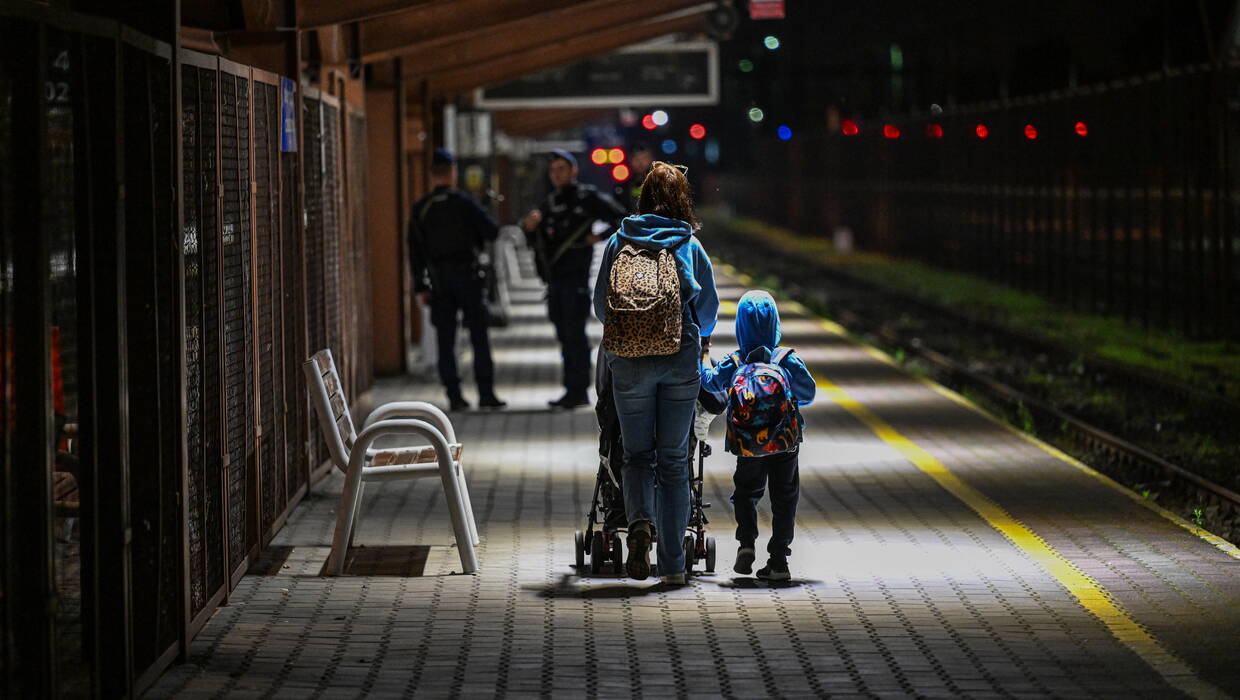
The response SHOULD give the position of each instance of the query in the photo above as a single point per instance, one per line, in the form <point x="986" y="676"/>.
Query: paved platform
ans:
<point x="937" y="554"/>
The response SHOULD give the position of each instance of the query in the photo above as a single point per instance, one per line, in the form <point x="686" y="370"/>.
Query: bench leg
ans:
<point x="345" y="512"/>
<point x="460" y="520"/>
<point x="357" y="512"/>
<point x="469" y="506"/>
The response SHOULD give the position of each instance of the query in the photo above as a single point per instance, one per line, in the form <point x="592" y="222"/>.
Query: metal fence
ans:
<point x="158" y="294"/>
<point x="1118" y="198"/>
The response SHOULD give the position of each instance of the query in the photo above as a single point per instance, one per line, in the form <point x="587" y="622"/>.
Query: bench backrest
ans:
<point x="329" y="402"/>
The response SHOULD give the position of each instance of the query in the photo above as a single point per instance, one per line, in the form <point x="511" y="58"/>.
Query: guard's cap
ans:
<point x="561" y="154"/>
<point x="442" y="156"/>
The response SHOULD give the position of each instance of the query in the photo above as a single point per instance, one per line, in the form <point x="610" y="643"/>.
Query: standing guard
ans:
<point x="447" y="231"/>
<point x="561" y="233"/>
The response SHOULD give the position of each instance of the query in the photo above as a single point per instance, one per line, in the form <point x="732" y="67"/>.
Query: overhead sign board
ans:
<point x="669" y="74"/>
<point x="766" y="9"/>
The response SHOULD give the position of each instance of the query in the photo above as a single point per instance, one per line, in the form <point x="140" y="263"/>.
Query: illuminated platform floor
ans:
<point x="937" y="554"/>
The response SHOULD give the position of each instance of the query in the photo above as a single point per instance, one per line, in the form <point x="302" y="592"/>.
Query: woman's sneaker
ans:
<point x="774" y="571"/>
<point x="744" y="560"/>
<point x="675" y="579"/>
<point x="638" y="564"/>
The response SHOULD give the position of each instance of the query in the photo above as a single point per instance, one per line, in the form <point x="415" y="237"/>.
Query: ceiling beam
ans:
<point x="542" y="30"/>
<point x="507" y="67"/>
<point x="441" y="25"/>
<point x="312" y="14"/>
<point x="536" y="122"/>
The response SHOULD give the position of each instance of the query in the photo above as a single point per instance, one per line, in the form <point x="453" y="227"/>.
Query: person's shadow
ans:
<point x="568" y="586"/>
<point x="748" y="583"/>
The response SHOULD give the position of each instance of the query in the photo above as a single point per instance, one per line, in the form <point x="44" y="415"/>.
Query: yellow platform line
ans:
<point x="1088" y="592"/>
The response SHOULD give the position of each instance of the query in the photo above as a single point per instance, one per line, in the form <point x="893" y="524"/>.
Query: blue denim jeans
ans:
<point x="654" y="398"/>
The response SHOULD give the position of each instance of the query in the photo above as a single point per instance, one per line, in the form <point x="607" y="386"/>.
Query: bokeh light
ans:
<point x="756" y="115"/>
<point x="982" y="131"/>
<point x="785" y="132"/>
<point x="668" y="146"/>
<point x="598" y="156"/>
<point x="891" y="131"/>
<point x="620" y="173"/>
<point x="648" y="123"/>
<point x="934" y="131"/>
<point x="849" y="127"/>
<point x="745" y="65"/>
<point x="615" y="155"/>
<point x="1031" y="132"/>
<point x="1081" y="129"/>
<point x="659" y="117"/>
<point x="771" y="42"/>
<point x="712" y="151"/>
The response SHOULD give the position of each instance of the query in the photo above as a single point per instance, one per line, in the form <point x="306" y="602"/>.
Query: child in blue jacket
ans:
<point x="757" y="334"/>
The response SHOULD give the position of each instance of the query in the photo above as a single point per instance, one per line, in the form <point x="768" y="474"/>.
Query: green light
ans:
<point x="756" y="115"/>
<point x="771" y="42"/>
<point x="745" y="65"/>
<point x="897" y="57"/>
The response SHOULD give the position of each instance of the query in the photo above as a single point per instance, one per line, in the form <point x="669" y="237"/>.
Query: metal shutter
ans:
<point x="235" y="241"/>
<point x="316" y="330"/>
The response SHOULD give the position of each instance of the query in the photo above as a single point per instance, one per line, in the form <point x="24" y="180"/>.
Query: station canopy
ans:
<point x="458" y="46"/>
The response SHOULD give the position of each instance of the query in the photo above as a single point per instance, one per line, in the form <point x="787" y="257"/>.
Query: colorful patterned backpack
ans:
<point x="763" y="418"/>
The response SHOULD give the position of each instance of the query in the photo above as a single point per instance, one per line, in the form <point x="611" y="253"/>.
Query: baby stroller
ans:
<point x="606" y="519"/>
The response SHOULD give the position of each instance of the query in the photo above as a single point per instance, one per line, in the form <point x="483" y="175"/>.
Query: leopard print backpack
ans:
<point x="644" y="312"/>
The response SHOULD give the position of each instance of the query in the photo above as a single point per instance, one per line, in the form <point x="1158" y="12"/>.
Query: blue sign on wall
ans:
<point x="288" y="116"/>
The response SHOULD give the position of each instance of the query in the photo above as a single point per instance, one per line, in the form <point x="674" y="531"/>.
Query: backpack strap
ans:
<point x="780" y="353"/>
<point x="736" y="359"/>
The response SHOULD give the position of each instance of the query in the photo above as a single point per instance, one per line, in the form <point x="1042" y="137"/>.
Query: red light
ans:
<point x="615" y="155"/>
<point x="620" y="173"/>
<point x="598" y="156"/>
<point x="849" y="127"/>
<point x="934" y="131"/>
<point x="648" y="122"/>
<point x="1030" y="132"/>
<point x="891" y="131"/>
<point x="1081" y="129"/>
<point x="697" y="132"/>
<point x="981" y="131"/>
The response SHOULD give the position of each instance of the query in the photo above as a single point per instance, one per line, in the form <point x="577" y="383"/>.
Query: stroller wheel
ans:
<point x="617" y="553"/>
<point x="579" y="549"/>
<point x="596" y="553"/>
<point x="690" y="554"/>
<point x="710" y="554"/>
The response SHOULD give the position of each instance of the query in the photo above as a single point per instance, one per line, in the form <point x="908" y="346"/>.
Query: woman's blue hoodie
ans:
<point x="757" y="334"/>
<point x="697" y="277"/>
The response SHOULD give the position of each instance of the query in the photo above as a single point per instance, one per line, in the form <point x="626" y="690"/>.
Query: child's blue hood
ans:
<point x="653" y="232"/>
<point x="757" y="322"/>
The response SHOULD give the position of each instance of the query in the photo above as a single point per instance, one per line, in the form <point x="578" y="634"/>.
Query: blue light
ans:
<point x="669" y="146"/>
<point x="785" y="133"/>
<point x="712" y="151"/>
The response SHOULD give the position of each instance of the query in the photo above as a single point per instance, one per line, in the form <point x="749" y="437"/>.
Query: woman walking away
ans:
<point x="656" y="297"/>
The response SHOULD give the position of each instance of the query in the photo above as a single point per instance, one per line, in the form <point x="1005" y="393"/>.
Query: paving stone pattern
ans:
<point x="899" y="589"/>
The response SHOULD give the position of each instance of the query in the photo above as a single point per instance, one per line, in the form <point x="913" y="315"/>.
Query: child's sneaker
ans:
<point x="638" y="564"/>
<point x="774" y="571"/>
<point x="744" y="560"/>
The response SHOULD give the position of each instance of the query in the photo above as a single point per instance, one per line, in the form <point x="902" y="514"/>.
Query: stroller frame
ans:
<point x="601" y="540"/>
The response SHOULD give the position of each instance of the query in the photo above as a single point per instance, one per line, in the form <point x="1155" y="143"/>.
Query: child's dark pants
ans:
<point x="753" y="475"/>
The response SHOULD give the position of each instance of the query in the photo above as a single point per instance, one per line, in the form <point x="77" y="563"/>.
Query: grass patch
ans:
<point x="1209" y="364"/>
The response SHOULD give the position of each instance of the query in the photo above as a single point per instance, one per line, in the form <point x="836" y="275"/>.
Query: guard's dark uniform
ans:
<point x="446" y="233"/>
<point x="568" y="215"/>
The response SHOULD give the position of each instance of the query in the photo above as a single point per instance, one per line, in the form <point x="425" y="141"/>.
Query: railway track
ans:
<point x="882" y="316"/>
